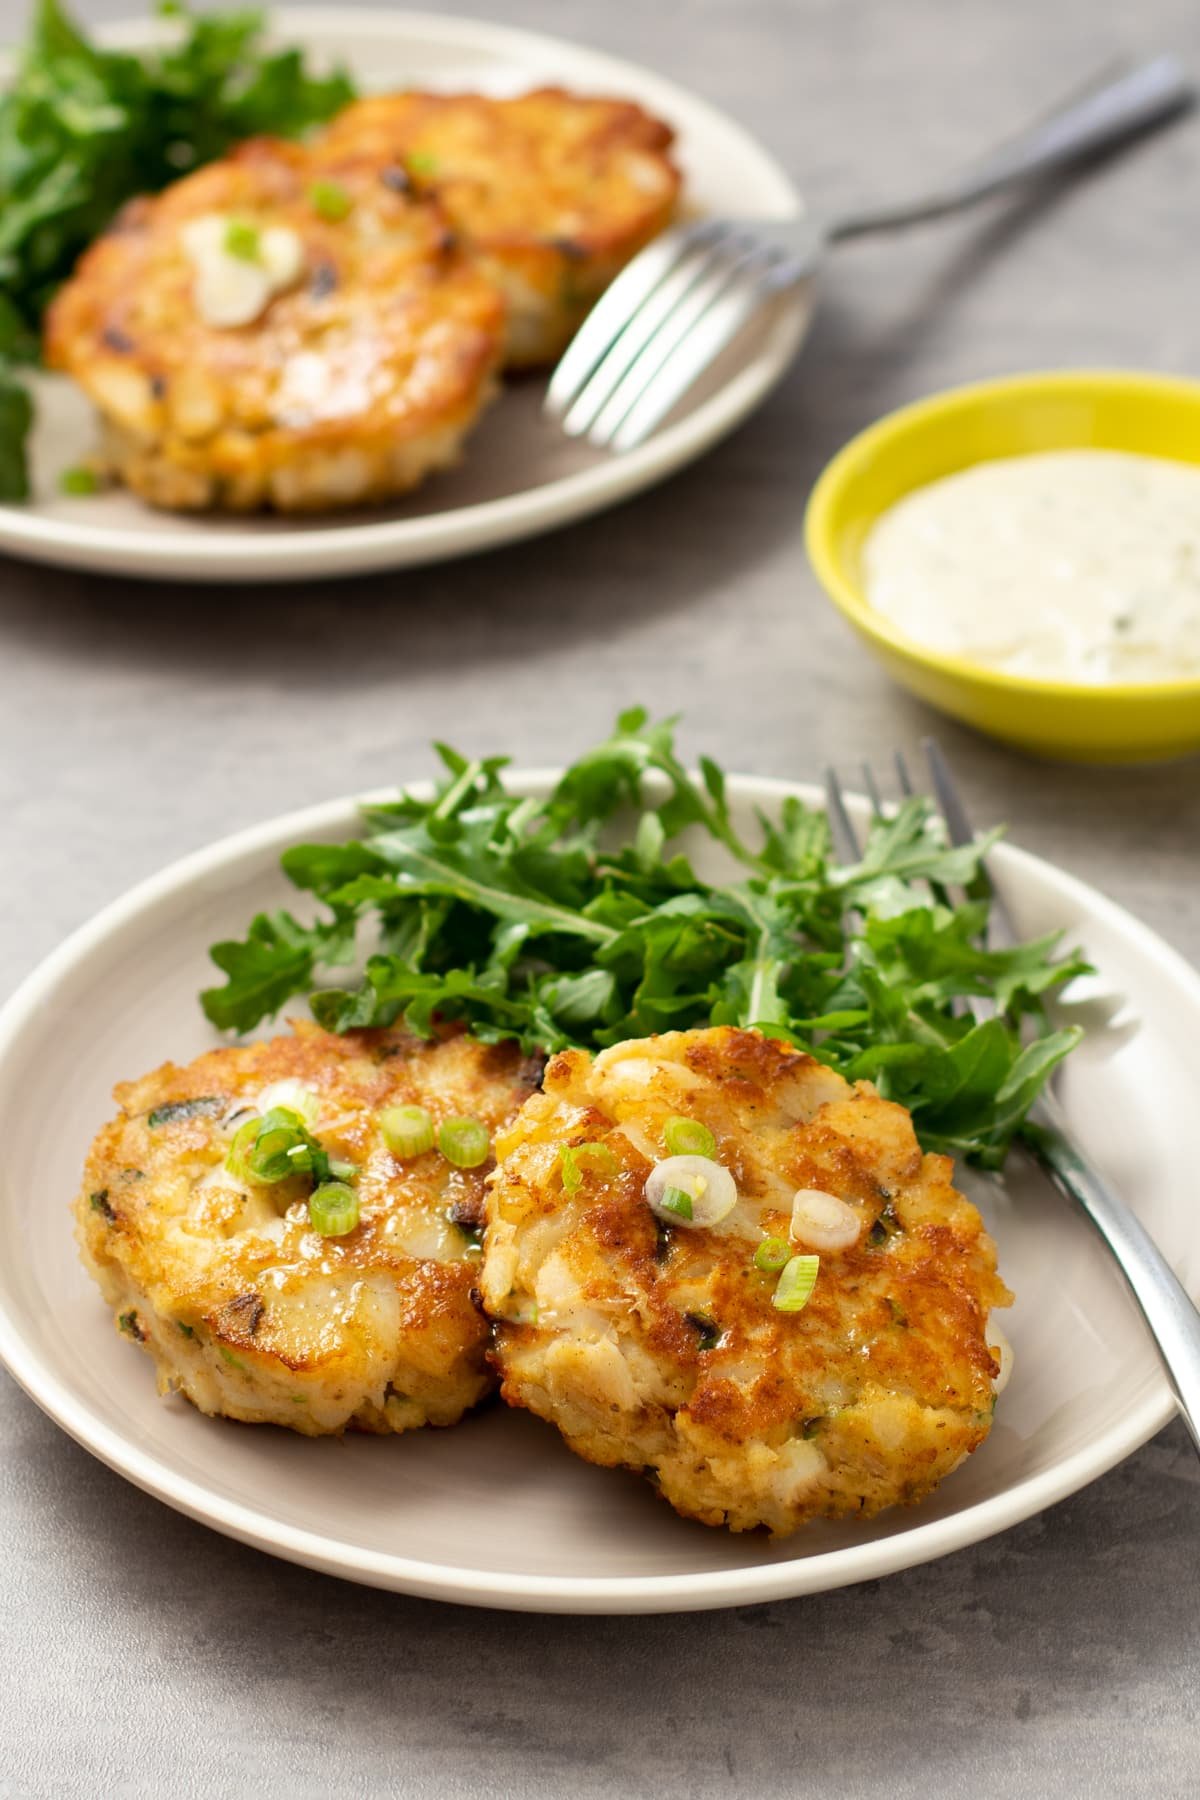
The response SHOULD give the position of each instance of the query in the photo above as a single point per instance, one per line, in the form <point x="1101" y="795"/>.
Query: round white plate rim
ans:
<point x="360" y="549"/>
<point x="531" y="1592"/>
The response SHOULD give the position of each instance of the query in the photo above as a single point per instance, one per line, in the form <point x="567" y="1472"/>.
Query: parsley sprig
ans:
<point x="580" y="920"/>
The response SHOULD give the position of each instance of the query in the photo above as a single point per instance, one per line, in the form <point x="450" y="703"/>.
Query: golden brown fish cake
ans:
<point x="554" y="192"/>
<point x="360" y="374"/>
<point x="659" y="1346"/>
<point x="243" y="1306"/>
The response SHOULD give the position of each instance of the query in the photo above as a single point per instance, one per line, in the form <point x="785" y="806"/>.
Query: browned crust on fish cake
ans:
<point x="350" y="387"/>
<point x="247" y="1310"/>
<point x="866" y="1398"/>
<point x="553" y="191"/>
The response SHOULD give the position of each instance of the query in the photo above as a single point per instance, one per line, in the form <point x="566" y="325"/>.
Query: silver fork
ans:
<point x="688" y="295"/>
<point x="1170" y="1314"/>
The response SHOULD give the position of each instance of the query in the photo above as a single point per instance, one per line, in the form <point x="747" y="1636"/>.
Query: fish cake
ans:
<point x="244" y="1307"/>
<point x="267" y="334"/>
<point x="653" y="1340"/>
<point x="552" y="191"/>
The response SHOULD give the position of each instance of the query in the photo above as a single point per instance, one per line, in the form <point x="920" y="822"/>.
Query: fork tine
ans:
<point x="958" y="825"/>
<point x="902" y="774"/>
<point x="675" y="296"/>
<point x="617" y="305"/>
<point x="841" y="827"/>
<point x="872" y="788"/>
<point x="948" y="797"/>
<point x="695" y="350"/>
<point x="674" y="330"/>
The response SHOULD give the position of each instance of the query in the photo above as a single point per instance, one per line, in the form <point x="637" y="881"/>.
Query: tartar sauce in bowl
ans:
<point x="1071" y="565"/>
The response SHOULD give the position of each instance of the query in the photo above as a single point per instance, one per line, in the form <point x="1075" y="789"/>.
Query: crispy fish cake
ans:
<point x="243" y="1306"/>
<point x="553" y="192"/>
<point x="267" y="334"/>
<point x="654" y="1339"/>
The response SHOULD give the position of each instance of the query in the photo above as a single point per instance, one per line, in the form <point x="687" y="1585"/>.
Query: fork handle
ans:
<point x="1115" y="106"/>
<point x="1164" y="1302"/>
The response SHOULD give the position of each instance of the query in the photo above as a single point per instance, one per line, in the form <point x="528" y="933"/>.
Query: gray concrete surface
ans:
<point x="141" y="1654"/>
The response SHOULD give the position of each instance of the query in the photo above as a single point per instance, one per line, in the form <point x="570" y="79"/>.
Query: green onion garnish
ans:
<point x="78" y="481"/>
<point x="407" y="1130"/>
<point x="333" y="1209"/>
<point x="330" y="199"/>
<point x="244" y="1137"/>
<point x="793" y="1291"/>
<point x="772" y="1254"/>
<point x="687" y="1137"/>
<point x="278" y="1146"/>
<point x="674" y="1200"/>
<point x="464" y="1142"/>
<point x="421" y="162"/>
<point x="576" y="1158"/>
<point x="242" y="240"/>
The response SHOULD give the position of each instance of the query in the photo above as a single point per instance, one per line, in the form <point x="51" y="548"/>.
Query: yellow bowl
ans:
<point x="1153" y="415"/>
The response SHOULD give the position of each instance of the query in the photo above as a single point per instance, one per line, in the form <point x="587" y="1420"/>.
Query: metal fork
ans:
<point x="1170" y="1314"/>
<point x="690" y="293"/>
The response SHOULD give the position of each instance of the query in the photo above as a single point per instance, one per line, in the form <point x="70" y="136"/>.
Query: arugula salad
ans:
<point x="579" y="919"/>
<point x="83" y="130"/>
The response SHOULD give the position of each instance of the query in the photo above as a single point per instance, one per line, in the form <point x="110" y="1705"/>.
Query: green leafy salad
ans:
<point x="579" y="919"/>
<point x="83" y="129"/>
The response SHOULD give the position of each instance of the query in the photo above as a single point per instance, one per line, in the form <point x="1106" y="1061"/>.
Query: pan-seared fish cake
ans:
<point x="244" y="1306"/>
<point x="554" y="192"/>
<point x="270" y="334"/>
<point x="639" y="1277"/>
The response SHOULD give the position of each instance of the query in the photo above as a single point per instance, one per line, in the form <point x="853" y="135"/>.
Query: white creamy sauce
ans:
<point x="1078" y="565"/>
<point x="232" y="290"/>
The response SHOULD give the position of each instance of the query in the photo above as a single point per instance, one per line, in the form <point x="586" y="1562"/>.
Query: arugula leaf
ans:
<point x="556" y="923"/>
<point x="16" y="417"/>
<point x="83" y="130"/>
<point x="276" y="960"/>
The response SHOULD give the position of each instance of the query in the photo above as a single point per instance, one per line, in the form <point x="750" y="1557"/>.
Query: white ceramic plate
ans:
<point x="497" y="1512"/>
<point x="519" y="475"/>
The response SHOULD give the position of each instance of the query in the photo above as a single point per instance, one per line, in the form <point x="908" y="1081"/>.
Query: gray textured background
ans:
<point x="142" y="1654"/>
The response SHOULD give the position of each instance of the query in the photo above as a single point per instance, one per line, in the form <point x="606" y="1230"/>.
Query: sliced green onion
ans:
<point x="330" y="199"/>
<point x="293" y="1097"/>
<point x="333" y="1209"/>
<point x="278" y="1146"/>
<point x="793" y="1290"/>
<point x="772" y="1255"/>
<point x="687" y="1137"/>
<point x="577" y="1158"/>
<point x="239" y="1150"/>
<point x="407" y="1130"/>
<point x="708" y="1187"/>
<point x="674" y="1200"/>
<point x="421" y="162"/>
<point x="280" y="1149"/>
<point x="464" y="1142"/>
<point x="78" y="481"/>
<point x="242" y="240"/>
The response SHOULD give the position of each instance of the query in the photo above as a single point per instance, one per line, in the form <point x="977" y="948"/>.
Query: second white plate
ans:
<point x="519" y="475"/>
<point x="496" y="1512"/>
